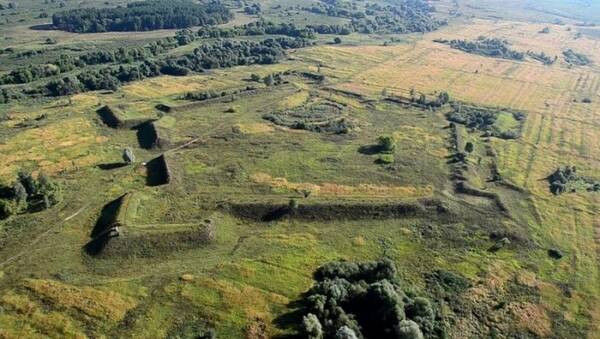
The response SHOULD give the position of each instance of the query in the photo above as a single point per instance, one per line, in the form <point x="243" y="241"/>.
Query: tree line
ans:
<point x="404" y="16"/>
<point x="575" y="58"/>
<point x="216" y="54"/>
<point x="67" y="62"/>
<point x="491" y="47"/>
<point x="142" y="16"/>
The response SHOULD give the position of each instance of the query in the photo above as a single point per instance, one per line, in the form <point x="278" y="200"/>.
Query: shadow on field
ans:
<point x="157" y="172"/>
<point x="147" y="135"/>
<point x="42" y="27"/>
<point x="112" y="166"/>
<point x="107" y="218"/>
<point x="291" y="320"/>
<point x="369" y="149"/>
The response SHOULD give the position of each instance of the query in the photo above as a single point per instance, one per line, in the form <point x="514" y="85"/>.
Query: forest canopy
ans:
<point x="142" y="16"/>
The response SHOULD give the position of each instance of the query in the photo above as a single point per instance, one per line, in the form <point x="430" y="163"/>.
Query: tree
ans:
<point x="293" y="205"/>
<point x="128" y="156"/>
<point x="337" y="40"/>
<point x="469" y="147"/>
<point x="408" y="329"/>
<point x="312" y="327"/>
<point x="386" y="143"/>
<point x="26" y="179"/>
<point x="255" y="77"/>
<point x="443" y="98"/>
<point x="20" y="194"/>
<point x="8" y="208"/>
<point x="345" y="332"/>
<point x="269" y="80"/>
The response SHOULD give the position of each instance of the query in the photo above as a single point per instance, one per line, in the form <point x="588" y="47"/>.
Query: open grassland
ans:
<point x="248" y="277"/>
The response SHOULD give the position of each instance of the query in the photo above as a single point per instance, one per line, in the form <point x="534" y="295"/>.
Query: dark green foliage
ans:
<point x="386" y="144"/>
<point x="447" y="283"/>
<point x="483" y="119"/>
<point x="217" y="54"/>
<point x="366" y="300"/>
<point x="567" y="180"/>
<point x="255" y="77"/>
<point x="542" y="57"/>
<point x="260" y="27"/>
<point x="29" y="194"/>
<point x="253" y="9"/>
<point x="575" y="58"/>
<point x="555" y="253"/>
<point x="65" y="86"/>
<point x="491" y="47"/>
<point x="142" y="16"/>
<point x="404" y="16"/>
<point x="469" y="147"/>
<point x="337" y="40"/>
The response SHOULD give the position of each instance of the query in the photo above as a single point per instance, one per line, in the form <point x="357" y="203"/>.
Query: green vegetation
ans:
<point x="501" y="124"/>
<point x="490" y="47"/>
<point x="29" y="195"/>
<point x="367" y="300"/>
<point x="575" y="58"/>
<point x="142" y="16"/>
<point x="566" y="179"/>
<point x="542" y="57"/>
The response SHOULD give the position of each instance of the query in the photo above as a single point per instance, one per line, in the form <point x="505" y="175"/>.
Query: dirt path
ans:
<point x="27" y="248"/>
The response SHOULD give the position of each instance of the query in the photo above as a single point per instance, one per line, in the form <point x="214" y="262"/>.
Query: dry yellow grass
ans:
<point x="58" y="146"/>
<point x="93" y="302"/>
<point x="253" y="128"/>
<point x="30" y="320"/>
<point x="331" y="189"/>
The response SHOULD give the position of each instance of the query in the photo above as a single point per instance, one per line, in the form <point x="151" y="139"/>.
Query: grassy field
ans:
<point x="224" y="155"/>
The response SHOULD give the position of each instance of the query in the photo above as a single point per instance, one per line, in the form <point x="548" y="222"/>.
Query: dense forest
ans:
<point x="491" y="47"/>
<point x="142" y="16"/>
<point x="406" y="16"/>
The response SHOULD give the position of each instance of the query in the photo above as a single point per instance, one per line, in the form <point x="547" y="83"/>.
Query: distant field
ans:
<point x="231" y="165"/>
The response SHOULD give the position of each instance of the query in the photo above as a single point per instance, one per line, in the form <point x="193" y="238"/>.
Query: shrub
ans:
<point x="469" y="147"/>
<point x="386" y="143"/>
<point x="365" y="300"/>
<point x="385" y="159"/>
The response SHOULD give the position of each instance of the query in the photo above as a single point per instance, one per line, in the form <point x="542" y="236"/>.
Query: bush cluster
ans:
<point x="366" y="300"/>
<point x="28" y="194"/>
<point x="491" y="47"/>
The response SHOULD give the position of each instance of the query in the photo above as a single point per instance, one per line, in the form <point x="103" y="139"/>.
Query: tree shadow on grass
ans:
<point x="369" y="149"/>
<point x="292" y="320"/>
<point x="43" y="27"/>
<point x="111" y="166"/>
